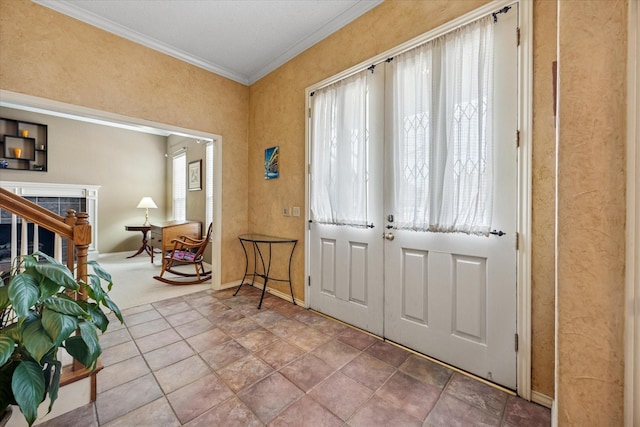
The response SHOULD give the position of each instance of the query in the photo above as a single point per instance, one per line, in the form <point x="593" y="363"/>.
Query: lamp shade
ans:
<point x="147" y="202"/>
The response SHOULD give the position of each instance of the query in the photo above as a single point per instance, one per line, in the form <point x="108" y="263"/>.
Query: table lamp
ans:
<point x="146" y="203"/>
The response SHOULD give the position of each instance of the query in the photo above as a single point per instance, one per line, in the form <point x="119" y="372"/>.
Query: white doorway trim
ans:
<point x="632" y="297"/>
<point x="60" y="109"/>
<point x="524" y="165"/>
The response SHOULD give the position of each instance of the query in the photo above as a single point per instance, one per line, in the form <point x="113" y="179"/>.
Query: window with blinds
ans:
<point x="180" y="186"/>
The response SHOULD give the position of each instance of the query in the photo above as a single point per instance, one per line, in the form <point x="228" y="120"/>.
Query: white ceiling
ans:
<point x="243" y="40"/>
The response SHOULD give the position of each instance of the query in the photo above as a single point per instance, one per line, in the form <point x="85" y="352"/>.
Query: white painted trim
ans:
<point x="228" y="285"/>
<point x="60" y="109"/>
<point x="285" y="296"/>
<point x="632" y="292"/>
<point x="541" y="399"/>
<point x="525" y="86"/>
<point x="67" y="8"/>
<point x="524" y="165"/>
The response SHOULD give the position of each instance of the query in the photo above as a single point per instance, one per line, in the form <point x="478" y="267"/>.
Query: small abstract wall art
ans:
<point x="272" y="162"/>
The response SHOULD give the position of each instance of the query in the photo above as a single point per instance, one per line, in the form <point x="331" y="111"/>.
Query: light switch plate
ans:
<point x="296" y="211"/>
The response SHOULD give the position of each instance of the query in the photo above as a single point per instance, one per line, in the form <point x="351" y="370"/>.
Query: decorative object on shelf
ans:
<point x="23" y="145"/>
<point x="272" y="162"/>
<point x="195" y="178"/>
<point x="39" y="318"/>
<point x="146" y="203"/>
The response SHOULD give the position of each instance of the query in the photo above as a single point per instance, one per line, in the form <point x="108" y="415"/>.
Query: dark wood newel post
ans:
<point x="81" y="241"/>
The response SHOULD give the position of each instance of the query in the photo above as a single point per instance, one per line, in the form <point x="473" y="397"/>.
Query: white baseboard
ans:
<point x="541" y="399"/>
<point x="274" y="292"/>
<point x="227" y="285"/>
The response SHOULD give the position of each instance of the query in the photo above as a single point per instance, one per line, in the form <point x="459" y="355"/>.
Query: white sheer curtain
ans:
<point x="339" y="154"/>
<point x="442" y="160"/>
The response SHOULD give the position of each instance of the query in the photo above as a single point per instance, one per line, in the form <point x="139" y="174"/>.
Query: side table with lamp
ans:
<point x="146" y="203"/>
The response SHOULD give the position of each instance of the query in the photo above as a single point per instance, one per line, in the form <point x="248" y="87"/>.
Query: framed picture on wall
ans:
<point x="272" y="162"/>
<point x="194" y="177"/>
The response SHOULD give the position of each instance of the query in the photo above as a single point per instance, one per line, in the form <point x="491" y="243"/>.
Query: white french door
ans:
<point x="453" y="295"/>
<point x="346" y="269"/>
<point x="449" y="295"/>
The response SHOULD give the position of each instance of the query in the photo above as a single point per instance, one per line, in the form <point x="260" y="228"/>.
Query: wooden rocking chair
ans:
<point x="186" y="251"/>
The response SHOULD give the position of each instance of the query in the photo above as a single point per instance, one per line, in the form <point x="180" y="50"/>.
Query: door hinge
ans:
<point x="517" y="241"/>
<point x="517" y="139"/>
<point x="516" y="342"/>
<point x="310" y="222"/>
<point x="309" y="112"/>
<point x="517" y="36"/>
<point x="309" y="281"/>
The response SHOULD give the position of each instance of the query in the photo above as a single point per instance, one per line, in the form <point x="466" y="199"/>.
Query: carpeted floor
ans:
<point x="133" y="282"/>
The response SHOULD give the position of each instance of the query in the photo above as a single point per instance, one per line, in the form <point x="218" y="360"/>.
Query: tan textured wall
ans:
<point x="543" y="190"/>
<point x="49" y="55"/>
<point x="591" y="212"/>
<point x="277" y="107"/>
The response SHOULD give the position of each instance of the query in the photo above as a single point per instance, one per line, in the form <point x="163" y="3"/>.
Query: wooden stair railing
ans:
<point x="76" y="229"/>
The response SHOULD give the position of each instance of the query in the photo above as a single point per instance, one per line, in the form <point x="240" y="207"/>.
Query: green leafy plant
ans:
<point x="40" y="315"/>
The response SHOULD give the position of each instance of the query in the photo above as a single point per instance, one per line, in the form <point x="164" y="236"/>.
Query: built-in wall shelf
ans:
<point x="23" y="145"/>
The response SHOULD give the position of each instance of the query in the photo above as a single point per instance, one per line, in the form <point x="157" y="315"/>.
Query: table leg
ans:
<point x="265" y="271"/>
<point x="143" y="248"/>
<point x="290" y="285"/>
<point x="246" y="267"/>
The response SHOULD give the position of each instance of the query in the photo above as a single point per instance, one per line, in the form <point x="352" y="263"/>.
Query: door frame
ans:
<point x="632" y="307"/>
<point x="75" y="112"/>
<point x="524" y="171"/>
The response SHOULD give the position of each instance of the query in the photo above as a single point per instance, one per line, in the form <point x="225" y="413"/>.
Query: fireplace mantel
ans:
<point x="81" y="191"/>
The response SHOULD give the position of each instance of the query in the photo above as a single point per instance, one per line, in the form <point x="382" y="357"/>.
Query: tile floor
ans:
<point x="211" y="359"/>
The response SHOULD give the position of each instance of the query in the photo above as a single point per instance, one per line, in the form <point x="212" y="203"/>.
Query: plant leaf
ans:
<point x="65" y="306"/>
<point x="78" y="349"/>
<point x="48" y="288"/>
<point x="94" y="289"/>
<point x="59" y="326"/>
<point x="4" y="297"/>
<point x="99" y="271"/>
<point x="36" y="340"/>
<point x="98" y="317"/>
<point x="55" y="382"/>
<point x="49" y="259"/>
<point x="30" y="260"/>
<point x="28" y="388"/>
<point x="7" y="346"/>
<point x="23" y="293"/>
<point x="58" y="273"/>
<point x="12" y="331"/>
<point x="113" y="307"/>
<point x="90" y="337"/>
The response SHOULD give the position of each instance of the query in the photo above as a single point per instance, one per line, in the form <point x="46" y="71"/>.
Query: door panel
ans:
<point x="346" y="263"/>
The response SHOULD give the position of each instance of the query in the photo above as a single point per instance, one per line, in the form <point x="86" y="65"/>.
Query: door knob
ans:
<point x="389" y="236"/>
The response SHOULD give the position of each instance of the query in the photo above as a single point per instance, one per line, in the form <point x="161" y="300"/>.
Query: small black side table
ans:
<point x="144" y="229"/>
<point x="256" y="240"/>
